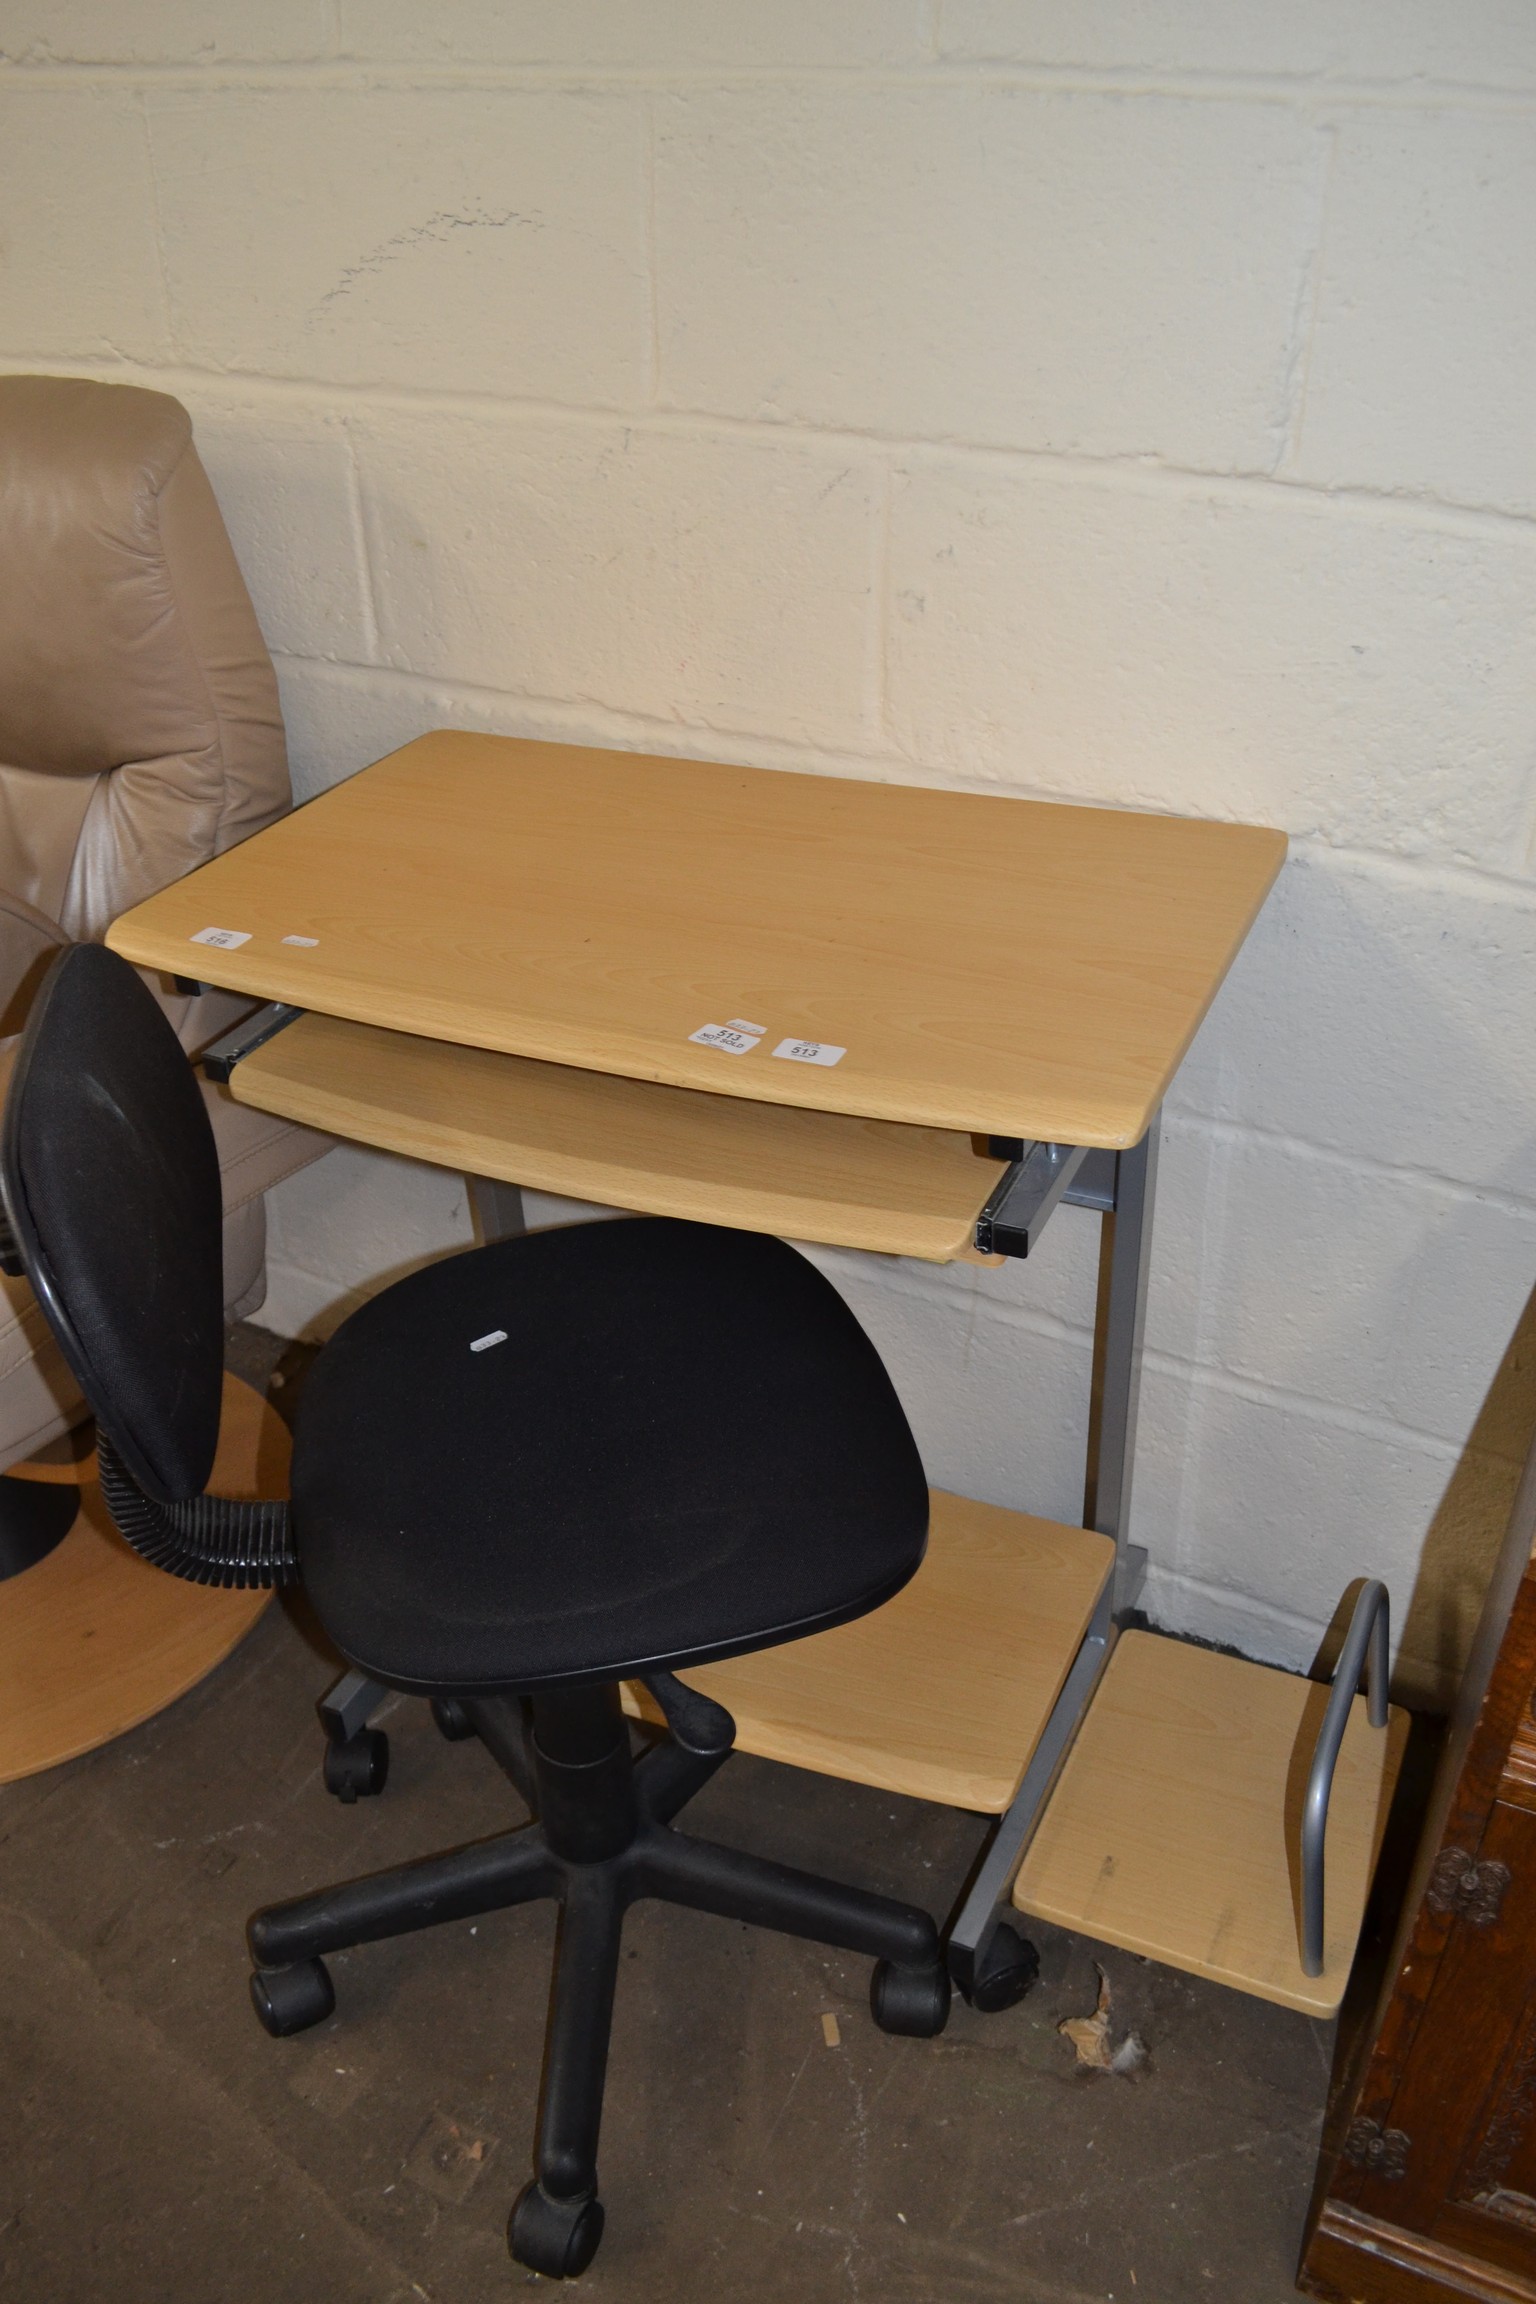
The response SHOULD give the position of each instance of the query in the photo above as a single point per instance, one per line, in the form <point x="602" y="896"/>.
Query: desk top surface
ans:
<point x="995" y="964"/>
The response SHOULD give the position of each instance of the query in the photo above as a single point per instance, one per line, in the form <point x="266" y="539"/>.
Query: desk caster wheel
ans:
<point x="556" y="2237"/>
<point x="291" y="1999"/>
<point x="357" y="1769"/>
<point x="1007" y="1967"/>
<point x="912" y="2001"/>
<point x="453" y="1721"/>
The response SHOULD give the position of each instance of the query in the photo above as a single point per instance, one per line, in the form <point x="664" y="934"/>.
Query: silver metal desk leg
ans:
<point x="497" y="1209"/>
<point x="987" y="1896"/>
<point x="1123" y="1258"/>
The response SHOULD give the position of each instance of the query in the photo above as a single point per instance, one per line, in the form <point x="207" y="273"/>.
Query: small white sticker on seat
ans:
<point x="227" y="939"/>
<point x="484" y="1343"/>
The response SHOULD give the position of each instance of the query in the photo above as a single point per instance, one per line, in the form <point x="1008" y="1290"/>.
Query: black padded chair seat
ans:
<point x="684" y="1447"/>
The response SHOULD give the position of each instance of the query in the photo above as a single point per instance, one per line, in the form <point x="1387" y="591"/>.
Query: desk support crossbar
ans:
<point x="987" y="1894"/>
<point x="1093" y="1185"/>
<point x="1124" y="1254"/>
<point x="1120" y="1186"/>
<point x="497" y="1209"/>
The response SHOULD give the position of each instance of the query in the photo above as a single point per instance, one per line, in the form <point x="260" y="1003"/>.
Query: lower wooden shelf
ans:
<point x="1175" y="1827"/>
<point x="806" y="1175"/>
<point x="93" y="1639"/>
<point x="944" y="1691"/>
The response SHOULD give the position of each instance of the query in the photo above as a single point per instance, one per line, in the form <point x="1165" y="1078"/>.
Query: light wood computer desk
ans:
<point x="497" y="955"/>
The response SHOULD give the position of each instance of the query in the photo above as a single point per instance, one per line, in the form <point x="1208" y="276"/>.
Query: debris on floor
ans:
<point x="447" y="2159"/>
<point x="1090" y="2038"/>
<point x="146" y="2114"/>
<point x="831" y="2031"/>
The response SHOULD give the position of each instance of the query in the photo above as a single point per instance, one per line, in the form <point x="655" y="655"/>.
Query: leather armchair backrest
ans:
<point x="140" y="731"/>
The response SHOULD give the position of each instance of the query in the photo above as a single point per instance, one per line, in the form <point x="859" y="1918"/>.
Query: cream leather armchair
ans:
<point x="140" y="734"/>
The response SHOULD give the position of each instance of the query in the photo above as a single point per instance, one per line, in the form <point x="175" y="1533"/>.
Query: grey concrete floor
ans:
<point x="155" y="2145"/>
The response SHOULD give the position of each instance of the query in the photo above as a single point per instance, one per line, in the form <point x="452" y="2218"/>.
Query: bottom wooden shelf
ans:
<point x="93" y="1639"/>
<point x="1175" y="1827"/>
<point x="944" y="1691"/>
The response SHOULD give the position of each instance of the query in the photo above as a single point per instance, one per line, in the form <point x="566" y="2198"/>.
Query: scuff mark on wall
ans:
<point x="439" y="226"/>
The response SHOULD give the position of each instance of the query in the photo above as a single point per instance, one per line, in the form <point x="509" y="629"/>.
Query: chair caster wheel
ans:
<point x="357" y="1769"/>
<point x="453" y="1721"/>
<point x="291" y="1999"/>
<point x="912" y="2001"/>
<point x="556" y="2237"/>
<point x="1006" y="1969"/>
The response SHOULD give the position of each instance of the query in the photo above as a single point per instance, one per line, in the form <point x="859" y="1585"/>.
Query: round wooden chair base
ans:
<point x="93" y="1640"/>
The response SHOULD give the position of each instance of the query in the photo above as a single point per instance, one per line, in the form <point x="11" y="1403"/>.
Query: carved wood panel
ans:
<point x="1429" y="2188"/>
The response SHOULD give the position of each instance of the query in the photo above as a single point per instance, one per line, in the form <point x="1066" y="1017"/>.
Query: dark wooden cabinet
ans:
<point x="1429" y="2182"/>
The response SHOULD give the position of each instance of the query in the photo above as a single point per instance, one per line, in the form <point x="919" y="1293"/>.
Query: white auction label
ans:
<point x="484" y="1343"/>
<point x="726" y="1036"/>
<point x="740" y="1024"/>
<point x="226" y="939"/>
<point x="307" y="941"/>
<point x="810" y="1052"/>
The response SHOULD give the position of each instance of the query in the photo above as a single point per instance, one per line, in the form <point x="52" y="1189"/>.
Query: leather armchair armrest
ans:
<point x="28" y="941"/>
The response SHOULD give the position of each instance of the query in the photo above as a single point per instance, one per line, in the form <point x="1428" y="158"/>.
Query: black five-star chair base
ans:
<point x="602" y="1839"/>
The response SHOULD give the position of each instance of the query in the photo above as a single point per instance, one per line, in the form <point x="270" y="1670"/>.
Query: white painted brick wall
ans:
<point x="986" y="263"/>
<point x="1273" y="654"/>
<point x="482" y="241"/>
<point x="604" y="562"/>
<point x="1419" y="373"/>
<point x="1120" y="402"/>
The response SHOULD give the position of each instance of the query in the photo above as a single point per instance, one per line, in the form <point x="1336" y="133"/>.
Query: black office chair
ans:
<point x="520" y="1477"/>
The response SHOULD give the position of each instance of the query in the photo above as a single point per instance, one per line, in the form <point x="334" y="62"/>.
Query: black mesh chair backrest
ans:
<point x="111" y="1189"/>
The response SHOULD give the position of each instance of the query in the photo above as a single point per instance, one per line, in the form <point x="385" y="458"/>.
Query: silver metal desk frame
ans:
<point x="1120" y="1185"/>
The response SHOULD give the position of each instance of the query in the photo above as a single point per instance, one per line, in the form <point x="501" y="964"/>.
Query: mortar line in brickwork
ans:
<point x="358" y="518"/>
<point x="157" y="228"/>
<point x="877" y="627"/>
<point x="1299" y="91"/>
<point x="1190" y="1122"/>
<point x="686" y="739"/>
<point x="1298" y="366"/>
<point x="1526" y="841"/>
<point x="956" y="1289"/>
<point x="1233" y="1600"/>
<point x="1336" y="1416"/>
<point x="925" y="1288"/>
<point x="652" y="354"/>
<point x="1506" y="886"/>
<point x="625" y="727"/>
<point x="1131" y="469"/>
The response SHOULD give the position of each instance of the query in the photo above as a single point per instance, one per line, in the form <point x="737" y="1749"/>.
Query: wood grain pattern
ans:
<point x="1358" y="2259"/>
<point x="1448" y="2064"/>
<point x="944" y="1691"/>
<point x="989" y="964"/>
<point x="93" y="1639"/>
<point x="628" y="1143"/>
<point x="1175" y="1827"/>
